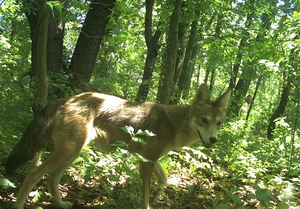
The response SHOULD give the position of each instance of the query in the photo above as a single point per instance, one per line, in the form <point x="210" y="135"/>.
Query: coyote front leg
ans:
<point x="161" y="178"/>
<point x="146" y="170"/>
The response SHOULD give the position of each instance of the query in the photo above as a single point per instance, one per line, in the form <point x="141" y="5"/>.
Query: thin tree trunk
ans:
<point x="187" y="71"/>
<point x="254" y="95"/>
<point x="42" y="81"/>
<point x="243" y="84"/>
<point x="241" y="90"/>
<point x="165" y="90"/>
<point x="152" y="51"/>
<point x="212" y="64"/>
<point x="33" y="21"/>
<point x="242" y="44"/>
<point x="293" y="61"/>
<point x="280" y="109"/>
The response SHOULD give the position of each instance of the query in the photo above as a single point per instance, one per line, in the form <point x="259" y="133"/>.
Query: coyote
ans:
<point x="73" y="122"/>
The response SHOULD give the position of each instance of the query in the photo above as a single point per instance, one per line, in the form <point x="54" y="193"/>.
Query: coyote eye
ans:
<point x="219" y="123"/>
<point x="203" y="120"/>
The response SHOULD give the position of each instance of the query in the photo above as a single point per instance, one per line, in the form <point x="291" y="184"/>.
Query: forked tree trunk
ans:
<point x="152" y="51"/>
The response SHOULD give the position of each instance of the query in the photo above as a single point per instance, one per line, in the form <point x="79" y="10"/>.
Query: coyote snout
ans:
<point x="208" y="143"/>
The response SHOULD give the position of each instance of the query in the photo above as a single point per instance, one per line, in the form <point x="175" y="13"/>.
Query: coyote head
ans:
<point x="207" y="116"/>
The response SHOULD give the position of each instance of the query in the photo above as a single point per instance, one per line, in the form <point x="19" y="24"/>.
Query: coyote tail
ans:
<point x="35" y="137"/>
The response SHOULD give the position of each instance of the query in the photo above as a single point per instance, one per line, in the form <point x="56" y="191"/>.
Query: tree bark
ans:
<point x="187" y="72"/>
<point x="280" y="109"/>
<point x="152" y="51"/>
<point x="248" y="73"/>
<point x="55" y="41"/>
<point x="33" y="21"/>
<point x="238" y="59"/>
<point x="42" y="80"/>
<point x="167" y="78"/>
<point x="254" y="95"/>
<point x="90" y="38"/>
<point x="294" y="62"/>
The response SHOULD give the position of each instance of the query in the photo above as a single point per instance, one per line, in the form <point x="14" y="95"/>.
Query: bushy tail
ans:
<point x="35" y="137"/>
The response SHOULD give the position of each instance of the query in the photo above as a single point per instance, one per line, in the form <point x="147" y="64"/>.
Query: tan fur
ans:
<point x="98" y="117"/>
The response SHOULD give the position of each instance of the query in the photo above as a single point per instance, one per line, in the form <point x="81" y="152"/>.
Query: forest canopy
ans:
<point x="162" y="51"/>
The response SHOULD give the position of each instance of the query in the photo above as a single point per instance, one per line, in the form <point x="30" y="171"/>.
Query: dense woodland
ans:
<point x="161" y="51"/>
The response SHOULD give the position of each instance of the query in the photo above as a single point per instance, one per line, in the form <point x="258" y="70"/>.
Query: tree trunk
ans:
<point x="280" y="109"/>
<point x="152" y="51"/>
<point x="294" y="62"/>
<point x="247" y="72"/>
<point x="241" y="90"/>
<point x="167" y="82"/>
<point x="42" y="81"/>
<point x="90" y="38"/>
<point x="33" y="21"/>
<point x="254" y="95"/>
<point x="187" y="72"/>
<point x="183" y="28"/>
<point x="55" y="41"/>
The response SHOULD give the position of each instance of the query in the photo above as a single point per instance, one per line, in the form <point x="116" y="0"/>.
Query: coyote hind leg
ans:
<point x="61" y="156"/>
<point x="53" y="181"/>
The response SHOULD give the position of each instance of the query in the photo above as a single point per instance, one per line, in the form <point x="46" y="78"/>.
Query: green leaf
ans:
<point x="190" y="188"/>
<point x="139" y="140"/>
<point x="141" y="158"/>
<point x="250" y="196"/>
<point x="223" y="206"/>
<point x="227" y="198"/>
<point x="38" y="196"/>
<point x="119" y="144"/>
<point x="283" y="205"/>
<point x="128" y="129"/>
<point x="78" y="159"/>
<point x="88" y="170"/>
<point x="145" y="133"/>
<point x="5" y="183"/>
<point x="264" y="196"/>
<point x="236" y="198"/>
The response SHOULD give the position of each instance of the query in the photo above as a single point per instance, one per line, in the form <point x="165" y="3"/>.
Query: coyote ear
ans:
<point x="222" y="101"/>
<point x="202" y="95"/>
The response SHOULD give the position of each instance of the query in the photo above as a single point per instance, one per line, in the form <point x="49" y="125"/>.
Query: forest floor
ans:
<point x="181" y="192"/>
<point x="115" y="185"/>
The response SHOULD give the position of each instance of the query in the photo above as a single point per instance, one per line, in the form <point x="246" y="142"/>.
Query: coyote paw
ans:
<point x="159" y="189"/>
<point x="65" y="205"/>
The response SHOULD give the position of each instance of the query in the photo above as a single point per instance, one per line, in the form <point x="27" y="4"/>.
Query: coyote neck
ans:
<point x="179" y="118"/>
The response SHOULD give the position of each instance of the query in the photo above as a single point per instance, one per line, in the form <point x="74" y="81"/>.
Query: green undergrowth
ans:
<point x="243" y="170"/>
